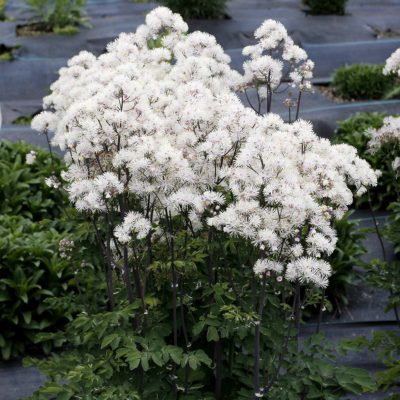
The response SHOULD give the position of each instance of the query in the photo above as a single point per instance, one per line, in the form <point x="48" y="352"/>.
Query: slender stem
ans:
<point x="257" y="339"/>
<point x="174" y="293"/>
<point x="320" y="311"/>
<point x="377" y="230"/>
<point x="298" y="106"/>
<point x="218" y="369"/>
<point x="297" y="311"/>
<point x="127" y="277"/>
<point x="110" y="289"/>
<point x="50" y="148"/>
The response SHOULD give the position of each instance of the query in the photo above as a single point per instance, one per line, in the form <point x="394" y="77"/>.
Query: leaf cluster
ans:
<point x="326" y="7"/>
<point x="197" y="9"/>
<point x="58" y="16"/>
<point x="353" y="131"/>
<point x="36" y="285"/>
<point x="362" y="82"/>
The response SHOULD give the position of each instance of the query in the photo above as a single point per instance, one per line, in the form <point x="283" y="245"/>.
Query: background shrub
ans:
<point x="349" y="249"/>
<point x="39" y="288"/>
<point x="326" y="6"/>
<point x="59" y="16"/>
<point x="23" y="190"/>
<point x="362" y="82"/>
<point x="3" y="4"/>
<point x="353" y="131"/>
<point x="197" y="8"/>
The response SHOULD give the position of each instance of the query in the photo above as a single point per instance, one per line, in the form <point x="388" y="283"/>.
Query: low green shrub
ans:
<point x="3" y="4"/>
<point x="23" y="190"/>
<point x="197" y="8"/>
<point x="322" y="7"/>
<point x="353" y="131"/>
<point x="58" y="16"/>
<point x="47" y="256"/>
<point x="362" y="82"/>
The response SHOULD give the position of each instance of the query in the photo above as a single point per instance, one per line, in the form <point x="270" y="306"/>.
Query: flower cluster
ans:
<point x="289" y="186"/>
<point x="389" y="133"/>
<point x="392" y="65"/>
<point x="154" y="128"/>
<point x="274" y="55"/>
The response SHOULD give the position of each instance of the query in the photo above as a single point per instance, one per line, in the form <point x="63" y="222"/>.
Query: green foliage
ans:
<point x="130" y="353"/>
<point x="385" y="274"/>
<point x="22" y="120"/>
<point x="23" y="190"/>
<point x="353" y="131"/>
<point x="37" y="285"/>
<point x="197" y="8"/>
<point x="349" y="249"/>
<point x="362" y="82"/>
<point x="58" y="16"/>
<point x="322" y="7"/>
<point x="386" y="345"/>
<point x="3" y="5"/>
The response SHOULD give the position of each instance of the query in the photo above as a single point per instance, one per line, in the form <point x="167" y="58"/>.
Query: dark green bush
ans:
<point x="23" y="190"/>
<point x="362" y="82"/>
<point x="197" y="8"/>
<point x="59" y="16"/>
<point x="322" y="7"/>
<point x="353" y="131"/>
<point x="39" y="286"/>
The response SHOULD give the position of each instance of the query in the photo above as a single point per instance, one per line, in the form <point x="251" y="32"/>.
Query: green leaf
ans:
<point x="198" y="327"/>
<point x="109" y="339"/>
<point x="27" y="317"/>
<point x="212" y="334"/>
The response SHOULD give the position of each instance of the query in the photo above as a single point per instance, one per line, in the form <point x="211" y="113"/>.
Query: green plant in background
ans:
<point x="39" y="286"/>
<point x="386" y="345"/>
<point x="353" y="131"/>
<point x="58" y="16"/>
<point x="322" y="7"/>
<point x="349" y="249"/>
<point x="7" y="53"/>
<point x="3" y="4"/>
<point x="197" y="8"/>
<point x="22" y="120"/>
<point x="362" y="82"/>
<point x="23" y="190"/>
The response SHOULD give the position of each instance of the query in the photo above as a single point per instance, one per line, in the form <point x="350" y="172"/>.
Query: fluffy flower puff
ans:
<point x="134" y="224"/>
<point x="156" y="118"/>
<point x="392" y="65"/>
<point x="285" y="178"/>
<point x="274" y="53"/>
<point x="388" y="133"/>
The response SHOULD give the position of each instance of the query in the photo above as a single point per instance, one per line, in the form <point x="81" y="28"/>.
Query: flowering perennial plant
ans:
<point x="389" y="133"/>
<point x="276" y="61"/>
<point x="163" y="155"/>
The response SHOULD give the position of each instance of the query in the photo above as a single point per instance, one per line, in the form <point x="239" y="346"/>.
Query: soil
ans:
<point x="33" y="29"/>
<point x="329" y="92"/>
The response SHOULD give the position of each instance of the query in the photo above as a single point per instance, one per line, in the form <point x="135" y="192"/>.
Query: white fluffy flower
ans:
<point x="156" y="119"/>
<point x="264" y="265"/>
<point x="392" y="65"/>
<point x="133" y="225"/>
<point x="309" y="270"/>
<point x="30" y="157"/>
